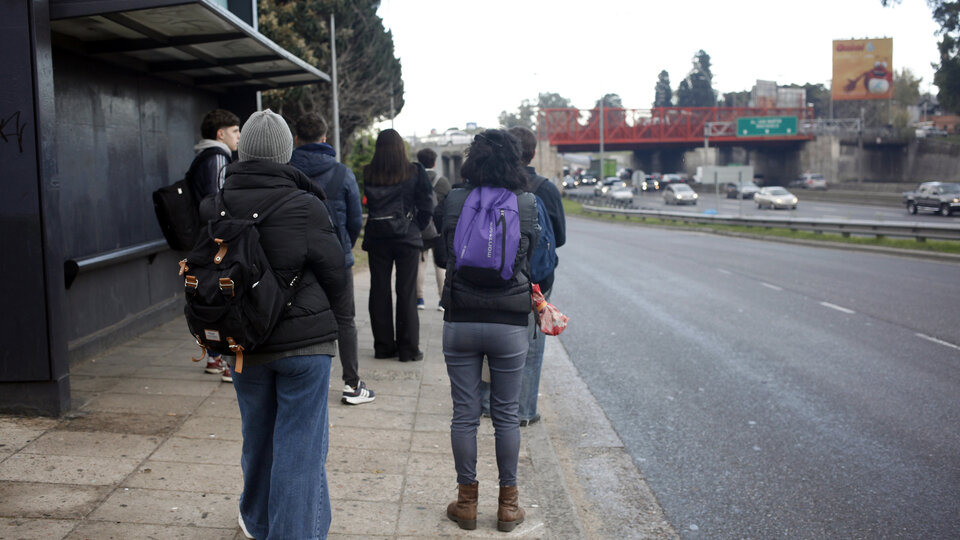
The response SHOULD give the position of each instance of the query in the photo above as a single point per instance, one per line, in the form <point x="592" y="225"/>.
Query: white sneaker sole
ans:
<point x="358" y="400"/>
<point x="243" y="528"/>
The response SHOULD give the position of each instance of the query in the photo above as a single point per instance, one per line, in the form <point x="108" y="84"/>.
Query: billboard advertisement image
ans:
<point x="862" y="69"/>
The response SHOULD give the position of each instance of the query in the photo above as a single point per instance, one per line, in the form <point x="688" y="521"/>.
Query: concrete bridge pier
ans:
<point x="661" y="161"/>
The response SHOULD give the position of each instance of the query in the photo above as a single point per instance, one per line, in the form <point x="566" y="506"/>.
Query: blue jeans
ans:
<point x="530" y="386"/>
<point x="464" y="346"/>
<point x="283" y="409"/>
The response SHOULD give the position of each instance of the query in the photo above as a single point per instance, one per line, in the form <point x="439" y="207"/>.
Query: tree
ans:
<point x="698" y="90"/>
<point x="906" y="88"/>
<point x="663" y="95"/>
<point x="947" y="77"/>
<point x="523" y="116"/>
<point x="613" y="113"/>
<point x="552" y="100"/>
<point x="735" y="99"/>
<point x="368" y="73"/>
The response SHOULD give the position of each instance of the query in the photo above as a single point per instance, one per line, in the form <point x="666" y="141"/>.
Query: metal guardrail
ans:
<point x="880" y="229"/>
<point x="73" y="267"/>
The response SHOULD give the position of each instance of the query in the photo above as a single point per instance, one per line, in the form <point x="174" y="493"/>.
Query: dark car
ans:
<point x="743" y="190"/>
<point x="649" y="183"/>
<point x="941" y="197"/>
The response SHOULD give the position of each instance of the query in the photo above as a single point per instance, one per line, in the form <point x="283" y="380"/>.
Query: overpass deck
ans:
<point x="578" y="130"/>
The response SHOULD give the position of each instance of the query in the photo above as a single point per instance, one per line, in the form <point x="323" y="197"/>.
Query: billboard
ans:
<point x="862" y="69"/>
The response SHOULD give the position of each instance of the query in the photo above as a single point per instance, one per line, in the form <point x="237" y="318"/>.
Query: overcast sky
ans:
<point x="466" y="61"/>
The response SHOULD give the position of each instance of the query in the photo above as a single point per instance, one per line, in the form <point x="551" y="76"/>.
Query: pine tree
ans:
<point x="663" y="95"/>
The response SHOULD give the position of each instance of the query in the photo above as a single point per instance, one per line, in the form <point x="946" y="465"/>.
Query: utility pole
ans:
<point x="336" y="101"/>
<point x="601" y="140"/>
<point x="860" y="149"/>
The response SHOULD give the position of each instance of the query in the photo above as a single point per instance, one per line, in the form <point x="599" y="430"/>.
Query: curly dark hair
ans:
<point x="493" y="159"/>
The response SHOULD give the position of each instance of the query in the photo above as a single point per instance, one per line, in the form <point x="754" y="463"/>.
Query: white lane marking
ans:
<point x="938" y="341"/>
<point x="838" y="308"/>
<point x="722" y="271"/>
<point x="769" y="286"/>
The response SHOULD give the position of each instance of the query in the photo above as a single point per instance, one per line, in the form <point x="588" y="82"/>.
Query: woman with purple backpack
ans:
<point x="489" y="229"/>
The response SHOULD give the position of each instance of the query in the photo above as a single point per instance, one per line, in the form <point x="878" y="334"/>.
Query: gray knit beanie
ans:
<point x="265" y="137"/>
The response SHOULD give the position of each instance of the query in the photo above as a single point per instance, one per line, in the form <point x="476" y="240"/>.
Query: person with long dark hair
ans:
<point x="399" y="206"/>
<point x="487" y="320"/>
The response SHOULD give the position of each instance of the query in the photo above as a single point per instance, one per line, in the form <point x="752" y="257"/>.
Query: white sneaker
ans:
<point x="357" y="396"/>
<point x="243" y="528"/>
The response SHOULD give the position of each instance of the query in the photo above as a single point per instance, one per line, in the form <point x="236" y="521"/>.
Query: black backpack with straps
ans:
<point x="234" y="298"/>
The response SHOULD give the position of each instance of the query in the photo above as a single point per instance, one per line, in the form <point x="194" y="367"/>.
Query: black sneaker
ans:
<point x="357" y="396"/>
<point x="414" y="358"/>
<point x="534" y="420"/>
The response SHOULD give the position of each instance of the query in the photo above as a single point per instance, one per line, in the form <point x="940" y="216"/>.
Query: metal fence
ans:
<point x="879" y="229"/>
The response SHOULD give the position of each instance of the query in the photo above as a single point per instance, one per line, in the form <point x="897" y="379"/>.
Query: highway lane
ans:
<point x="771" y="390"/>
<point x="805" y="209"/>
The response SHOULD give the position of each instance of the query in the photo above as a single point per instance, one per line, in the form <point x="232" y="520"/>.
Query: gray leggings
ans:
<point x="505" y="346"/>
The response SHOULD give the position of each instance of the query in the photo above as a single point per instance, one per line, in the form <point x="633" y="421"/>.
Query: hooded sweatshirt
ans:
<point x="209" y="165"/>
<point x="318" y="161"/>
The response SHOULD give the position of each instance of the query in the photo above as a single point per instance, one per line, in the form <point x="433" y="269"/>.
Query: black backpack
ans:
<point x="177" y="208"/>
<point x="176" y="212"/>
<point x="386" y="215"/>
<point x="234" y="298"/>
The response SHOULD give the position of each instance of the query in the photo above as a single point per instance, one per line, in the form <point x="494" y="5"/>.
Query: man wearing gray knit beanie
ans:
<point x="266" y="137"/>
<point x="283" y="386"/>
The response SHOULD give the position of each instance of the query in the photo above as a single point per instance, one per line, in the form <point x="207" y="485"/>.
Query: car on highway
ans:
<point x="741" y="190"/>
<point x="679" y="194"/>
<point x="672" y="178"/>
<point x="775" y="197"/>
<point x="587" y="180"/>
<point x="941" y="197"/>
<point x="455" y="136"/>
<point x="568" y="182"/>
<point x="650" y="183"/>
<point x="809" y="181"/>
<point x="608" y="183"/>
<point x="621" y="194"/>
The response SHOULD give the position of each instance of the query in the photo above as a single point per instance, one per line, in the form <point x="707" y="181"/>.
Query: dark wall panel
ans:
<point x="120" y="136"/>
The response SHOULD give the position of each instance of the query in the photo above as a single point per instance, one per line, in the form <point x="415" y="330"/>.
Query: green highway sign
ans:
<point x="766" y="126"/>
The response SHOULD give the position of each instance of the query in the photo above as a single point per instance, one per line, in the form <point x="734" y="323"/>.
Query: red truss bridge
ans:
<point x="578" y="130"/>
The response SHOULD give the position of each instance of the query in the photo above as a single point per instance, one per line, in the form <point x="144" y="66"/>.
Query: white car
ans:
<point x="679" y="194"/>
<point x="620" y="194"/>
<point x="775" y="197"/>
<point x="455" y="136"/>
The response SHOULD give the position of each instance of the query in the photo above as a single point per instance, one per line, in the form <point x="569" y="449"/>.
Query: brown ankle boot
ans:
<point x="464" y="510"/>
<point x="509" y="514"/>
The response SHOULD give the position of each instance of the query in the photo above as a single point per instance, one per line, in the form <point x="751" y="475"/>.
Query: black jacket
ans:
<point x="318" y="161"/>
<point x="466" y="302"/>
<point x="298" y="238"/>
<point x="417" y="193"/>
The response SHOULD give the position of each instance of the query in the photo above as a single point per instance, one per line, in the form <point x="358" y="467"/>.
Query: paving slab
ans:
<point x="48" y="501"/>
<point x="177" y="476"/>
<point x="85" y="443"/>
<point x="35" y="529"/>
<point x="160" y="507"/>
<point x="364" y="518"/>
<point x="212" y="451"/>
<point x="109" y="422"/>
<point x="96" y="471"/>
<point x="430" y="521"/>
<point x="374" y="461"/>
<point x="103" y="530"/>
<point x="208" y="427"/>
<point x="169" y="387"/>
<point x="365" y="486"/>
<point x="359" y="416"/>
<point x="139" y="403"/>
<point x="397" y="440"/>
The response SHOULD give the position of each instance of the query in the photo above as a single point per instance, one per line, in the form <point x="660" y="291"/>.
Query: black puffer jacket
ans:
<point x="297" y="238"/>
<point x="416" y="192"/>
<point x="464" y="301"/>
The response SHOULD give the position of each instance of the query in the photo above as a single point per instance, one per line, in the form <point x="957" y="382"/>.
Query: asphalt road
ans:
<point x="771" y="390"/>
<point x="805" y="209"/>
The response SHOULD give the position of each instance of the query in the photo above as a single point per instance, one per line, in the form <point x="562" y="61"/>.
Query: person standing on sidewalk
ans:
<point x="220" y="134"/>
<point x="283" y="388"/>
<point x="318" y="160"/>
<point x="487" y="321"/>
<point x="441" y="186"/>
<point x="399" y="207"/>
<point x="553" y="202"/>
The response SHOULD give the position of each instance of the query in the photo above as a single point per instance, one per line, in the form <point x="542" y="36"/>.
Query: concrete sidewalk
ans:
<point x="152" y="450"/>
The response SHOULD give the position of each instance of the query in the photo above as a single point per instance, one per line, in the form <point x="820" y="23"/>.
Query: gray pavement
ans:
<point x="151" y="449"/>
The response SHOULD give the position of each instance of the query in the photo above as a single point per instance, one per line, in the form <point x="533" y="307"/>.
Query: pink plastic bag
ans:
<point x="552" y="322"/>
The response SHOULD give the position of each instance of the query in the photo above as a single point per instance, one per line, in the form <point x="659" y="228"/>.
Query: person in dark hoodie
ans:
<point x="220" y="134"/>
<point x="283" y="388"/>
<point x="318" y="160"/>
